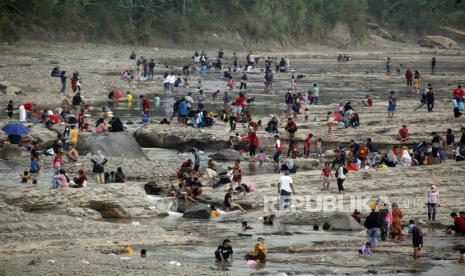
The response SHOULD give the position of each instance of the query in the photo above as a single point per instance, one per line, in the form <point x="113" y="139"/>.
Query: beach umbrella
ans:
<point x="15" y="129"/>
<point x="118" y="95"/>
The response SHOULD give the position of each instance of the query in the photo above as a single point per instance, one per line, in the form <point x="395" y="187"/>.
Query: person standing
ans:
<point x="432" y="202"/>
<point x="278" y="150"/>
<point x="315" y="94"/>
<point x="409" y="77"/>
<point x="433" y="65"/>
<point x="151" y="68"/>
<point x="341" y="177"/>
<point x="254" y="141"/>
<point x="388" y="66"/>
<point x="430" y="98"/>
<point x="243" y="82"/>
<point x="99" y="161"/>
<point x="9" y="109"/>
<point x="396" y="226"/>
<point x="372" y="152"/>
<point x="372" y="224"/>
<point x="417" y="240"/>
<point x="392" y="105"/>
<point x="285" y="190"/>
<point x="201" y="101"/>
<point x="63" y="78"/>
<point x="196" y="159"/>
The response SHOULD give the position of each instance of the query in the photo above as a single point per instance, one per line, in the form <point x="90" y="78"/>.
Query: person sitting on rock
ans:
<point x="224" y="252"/>
<point x="291" y="126"/>
<point x="365" y="249"/>
<point x="272" y="126"/>
<point x="80" y="181"/>
<point x="259" y="252"/>
<point x="224" y="177"/>
<point x="211" y="169"/>
<point x="229" y="204"/>
<point x="194" y="187"/>
<point x="182" y="194"/>
<point x="214" y="211"/>
<point x="186" y="167"/>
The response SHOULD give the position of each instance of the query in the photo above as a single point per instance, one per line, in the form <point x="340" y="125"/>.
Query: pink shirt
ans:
<point x="388" y="217"/>
<point x="63" y="180"/>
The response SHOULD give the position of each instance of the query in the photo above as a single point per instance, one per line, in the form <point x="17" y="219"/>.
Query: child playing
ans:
<point x="365" y="249"/>
<point x="326" y="176"/>
<point x="306" y="114"/>
<point x="25" y="177"/>
<point x="330" y="119"/>
<point x="308" y="145"/>
<point x="261" y="157"/>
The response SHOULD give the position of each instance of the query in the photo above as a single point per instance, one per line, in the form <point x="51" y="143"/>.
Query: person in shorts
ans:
<point x="326" y="176"/>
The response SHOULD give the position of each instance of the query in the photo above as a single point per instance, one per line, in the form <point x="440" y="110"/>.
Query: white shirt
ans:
<point x="285" y="182"/>
<point x="172" y="79"/>
<point x="340" y="173"/>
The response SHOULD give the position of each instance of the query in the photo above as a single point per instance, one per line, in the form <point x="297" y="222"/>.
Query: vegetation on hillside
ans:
<point x="290" y="21"/>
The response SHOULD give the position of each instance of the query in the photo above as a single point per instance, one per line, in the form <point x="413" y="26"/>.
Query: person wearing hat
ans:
<point x="259" y="251"/>
<point x="417" y="240"/>
<point x="432" y="201"/>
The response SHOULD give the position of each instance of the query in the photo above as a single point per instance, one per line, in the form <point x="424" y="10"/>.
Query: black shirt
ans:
<point x="151" y="65"/>
<point x="417" y="237"/>
<point x="372" y="221"/>
<point x="227" y="199"/>
<point x="225" y="251"/>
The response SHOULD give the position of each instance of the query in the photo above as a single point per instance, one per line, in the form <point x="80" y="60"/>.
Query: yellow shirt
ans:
<point x="259" y="246"/>
<point x="74" y="136"/>
<point x="129" y="97"/>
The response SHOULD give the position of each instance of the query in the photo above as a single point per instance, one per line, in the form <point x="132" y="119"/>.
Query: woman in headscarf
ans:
<point x="22" y="113"/>
<point x="396" y="226"/>
<point x="99" y="161"/>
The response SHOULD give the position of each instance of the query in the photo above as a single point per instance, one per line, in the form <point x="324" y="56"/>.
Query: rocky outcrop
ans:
<point x="199" y="211"/>
<point x="226" y="155"/>
<point x="112" y="144"/>
<point x="306" y="163"/>
<point x="126" y="200"/>
<point x="437" y="41"/>
<point x="9" y="91"/>
<point x="42" y="135"/>
<point x="342" y="222"/>
<point x="174" y="137"/>
<point x="152" y="188"/>
<point x="10" y="152"/>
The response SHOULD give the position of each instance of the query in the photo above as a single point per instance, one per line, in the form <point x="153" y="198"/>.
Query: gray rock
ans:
<point x="109" y="209"/>
<point x="151" y="188"/>
<point x="342" y="222"/>
<point x="199" y="211"/>
<point x="437" y="41"/>
<point x="112" y="144"/>
<point x="226" y="155"/>
<point x="10" y="152"/>
<point x="42" y="135"/>
<point x="306" y="163"/>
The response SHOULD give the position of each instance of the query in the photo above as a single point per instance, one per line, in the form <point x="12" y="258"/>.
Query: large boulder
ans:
<point x="306" y="163"/>
<point x="112" y="144"/>
<point x="10" y="152"/>
<point x="173" y="137"/>
<point x="152" y="188"/>
<point x="199" y="211"/>
<point x="343" y="222"/>
<point x="44" y="136"/>
<point x="437" y="41"/>
<point x="226" y="155"/>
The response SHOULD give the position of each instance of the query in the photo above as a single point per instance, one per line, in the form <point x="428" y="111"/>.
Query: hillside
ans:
<point x="233" y="22"/>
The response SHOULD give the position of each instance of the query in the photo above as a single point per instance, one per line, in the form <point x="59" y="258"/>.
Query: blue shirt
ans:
<point x="183" y="108"/>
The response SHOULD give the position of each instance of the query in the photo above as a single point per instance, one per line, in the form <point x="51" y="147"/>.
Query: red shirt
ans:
<point x="403" y="132"/>
<point x="145" y="104"/>
<point x="28" y="106"/>
<point x="308" y="143"/>
<point x="326" y="171"/>
<point x="253" y="139"/>
<point x="460" y="223"/>
<point x="291" y="124"/>
<point x="278" y="146"/>
<point x="240" y="101"/>
<point x="370" y="101"/>
<point x="458" y="92"/>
